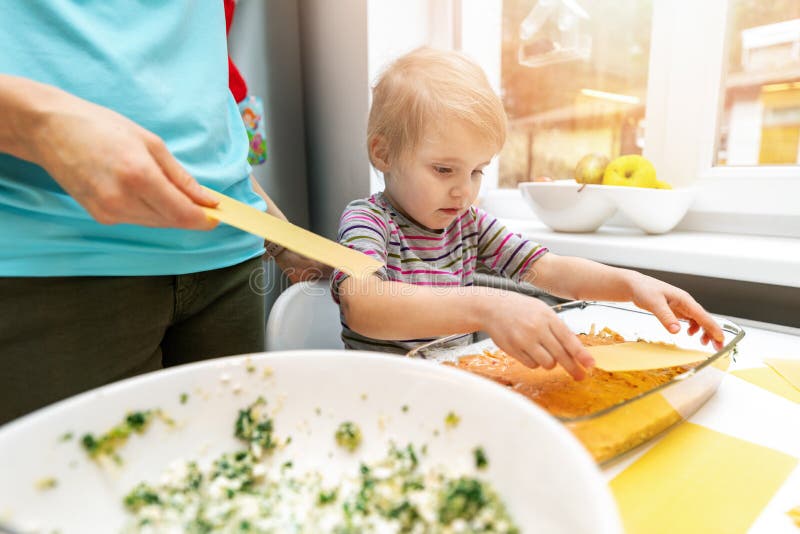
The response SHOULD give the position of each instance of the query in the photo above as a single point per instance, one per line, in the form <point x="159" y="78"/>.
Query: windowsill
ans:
<point x="767" y="260"/>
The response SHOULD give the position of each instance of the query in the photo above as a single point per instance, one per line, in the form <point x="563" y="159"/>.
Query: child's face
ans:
<point x="440" y="180"/>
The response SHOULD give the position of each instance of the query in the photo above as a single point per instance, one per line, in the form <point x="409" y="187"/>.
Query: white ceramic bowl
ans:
<point x="546" y="478"/>
<point x="656" y="211"/>
<point x="560" y="206"/>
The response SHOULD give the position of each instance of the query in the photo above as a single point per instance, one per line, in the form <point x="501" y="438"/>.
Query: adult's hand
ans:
<point x="117" y="170"/>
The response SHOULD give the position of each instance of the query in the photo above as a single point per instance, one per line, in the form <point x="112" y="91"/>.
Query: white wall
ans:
<point x="265" y="44"/>
<point x="335" y="83"/>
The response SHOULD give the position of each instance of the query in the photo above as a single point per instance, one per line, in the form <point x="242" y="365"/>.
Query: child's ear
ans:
<point x="379" y="153"/>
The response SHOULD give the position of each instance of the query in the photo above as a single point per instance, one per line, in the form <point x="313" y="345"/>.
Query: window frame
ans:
<point x="685" y="96"/>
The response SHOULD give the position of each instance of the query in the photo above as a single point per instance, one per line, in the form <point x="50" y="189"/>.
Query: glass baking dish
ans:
<point x="621" y="426"/>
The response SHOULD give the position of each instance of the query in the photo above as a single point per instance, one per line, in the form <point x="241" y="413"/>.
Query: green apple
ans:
<point x="632" y="171"/>
<point x="590" y="169"/>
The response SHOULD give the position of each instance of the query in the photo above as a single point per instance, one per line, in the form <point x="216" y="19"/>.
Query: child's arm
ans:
<point x="524" y="327"/>
<point x="581" y="279"/>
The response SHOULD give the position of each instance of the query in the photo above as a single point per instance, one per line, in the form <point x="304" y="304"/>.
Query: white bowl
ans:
<point x="545" y="477"/>
<point x="656" y="211"/>
<point x="560" y="206"/>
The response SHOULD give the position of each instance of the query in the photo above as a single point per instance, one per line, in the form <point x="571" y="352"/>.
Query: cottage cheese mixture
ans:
<point x="242" y="492"/>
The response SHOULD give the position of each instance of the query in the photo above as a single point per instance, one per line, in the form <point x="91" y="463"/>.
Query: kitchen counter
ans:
<point x="748" y="258"/>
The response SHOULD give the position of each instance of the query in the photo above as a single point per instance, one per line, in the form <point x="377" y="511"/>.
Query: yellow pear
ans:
<point x="590" y="169"/>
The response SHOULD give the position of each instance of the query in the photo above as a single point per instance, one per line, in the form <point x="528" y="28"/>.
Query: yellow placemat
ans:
<point x="788" y="369"/>
<point x="770" y="380"/>
<point x="699" y="480"/>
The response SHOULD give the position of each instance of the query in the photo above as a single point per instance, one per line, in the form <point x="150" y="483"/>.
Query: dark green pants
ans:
<point x="60" y="336"/>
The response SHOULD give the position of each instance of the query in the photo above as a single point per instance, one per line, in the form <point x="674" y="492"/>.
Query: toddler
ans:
<point x="434" y="125"/>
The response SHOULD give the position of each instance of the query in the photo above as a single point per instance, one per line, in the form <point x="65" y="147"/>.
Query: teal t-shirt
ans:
<point x="162" y="64"/>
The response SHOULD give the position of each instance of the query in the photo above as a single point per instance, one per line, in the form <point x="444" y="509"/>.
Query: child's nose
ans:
<point x="461" y="189"/>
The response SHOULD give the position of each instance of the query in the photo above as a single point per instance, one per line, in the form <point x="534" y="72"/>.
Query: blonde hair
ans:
<point x="424" y="86"/>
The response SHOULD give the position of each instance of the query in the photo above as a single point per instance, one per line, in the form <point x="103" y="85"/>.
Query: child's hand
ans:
<point x="299" y="268"/>
<point x="669" y="303"/>
<point x="528" y="330"/>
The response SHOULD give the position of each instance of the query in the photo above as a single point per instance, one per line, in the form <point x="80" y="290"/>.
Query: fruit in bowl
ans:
<point x="600" y="188"/>
<point x="651" y="204"/>
<point x="630" y="171"/>
<point x="591" y="168"/>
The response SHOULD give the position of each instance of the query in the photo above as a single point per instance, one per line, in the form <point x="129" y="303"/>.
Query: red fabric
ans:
<point x="230" y="6"/>
<point x="236" y="82"/>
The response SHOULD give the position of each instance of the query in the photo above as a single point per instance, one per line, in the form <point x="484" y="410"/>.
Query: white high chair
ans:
<point x="304" y="317"/>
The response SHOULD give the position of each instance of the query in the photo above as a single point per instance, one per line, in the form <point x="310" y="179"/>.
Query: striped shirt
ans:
<point x="422" y="257"/>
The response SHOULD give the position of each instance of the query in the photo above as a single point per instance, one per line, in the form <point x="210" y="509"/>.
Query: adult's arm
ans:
<point x="117" y="170"/>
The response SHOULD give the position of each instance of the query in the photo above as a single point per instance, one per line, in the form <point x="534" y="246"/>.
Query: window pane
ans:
<point x="760" y="121"/>
<point x="574" y="78"/>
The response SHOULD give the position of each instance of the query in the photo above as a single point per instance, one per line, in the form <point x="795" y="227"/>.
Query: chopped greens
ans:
<point x="242" y="492"/>
<point x="253" y="426"/>
<point x="107" y="444"/>
<point x="326" y="497"/>
<point x="348" y="436"/>
<point x="452" y="420"/>
<point x="184" y="397"/>
<point x="461" y="499"/>
<point x="141" y="495"/>
<point x="481" y="462"/>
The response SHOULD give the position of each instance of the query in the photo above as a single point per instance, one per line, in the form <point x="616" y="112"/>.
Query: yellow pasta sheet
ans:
<point x="286" y="234"/>
<point x="788" y="369"/>
<point x="640" y="355"/>
<point x="766" y="378"/>
<point x="696" y="480"/>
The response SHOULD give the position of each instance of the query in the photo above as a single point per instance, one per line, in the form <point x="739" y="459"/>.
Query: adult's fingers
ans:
<point x="174" y="208"/>
<point x="176" y="174"/>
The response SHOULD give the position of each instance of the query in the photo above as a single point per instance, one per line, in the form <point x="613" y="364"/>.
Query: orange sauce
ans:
<point x="562" y="396"/>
